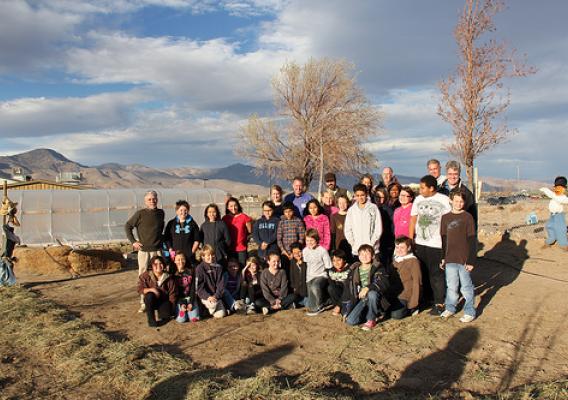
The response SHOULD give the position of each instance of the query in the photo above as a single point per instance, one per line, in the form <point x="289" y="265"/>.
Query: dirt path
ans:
<point x="518" y="338"/>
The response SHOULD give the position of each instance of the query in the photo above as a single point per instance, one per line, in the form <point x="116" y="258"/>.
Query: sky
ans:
<point x="169" y="83"/>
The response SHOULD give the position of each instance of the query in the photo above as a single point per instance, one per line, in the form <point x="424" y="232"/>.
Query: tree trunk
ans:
<point x="320" y="186"/>
<point x="469" y="173"/>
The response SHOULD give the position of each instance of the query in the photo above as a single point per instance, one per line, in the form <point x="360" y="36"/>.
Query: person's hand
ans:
<point x="363" y="293"/>
<point x="137" y="246"/>
<point x="468" y="267"/>
<point x="212" y="299"/>
<point x="289" y="255"/>
<point x="263" y="246"/>
<point x="153" y="290"/>
<point x="443" y="264"/>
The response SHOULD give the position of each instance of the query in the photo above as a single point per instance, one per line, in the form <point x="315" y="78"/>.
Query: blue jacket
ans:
<point x="264" y="230"/>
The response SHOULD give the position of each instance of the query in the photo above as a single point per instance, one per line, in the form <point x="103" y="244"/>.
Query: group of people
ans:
<point x="381" y="250"/>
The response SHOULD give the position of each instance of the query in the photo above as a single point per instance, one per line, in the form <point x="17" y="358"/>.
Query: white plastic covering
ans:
<point x="96" y="216"/>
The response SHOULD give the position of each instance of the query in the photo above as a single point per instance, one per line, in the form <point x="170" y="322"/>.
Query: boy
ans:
<point x="232" y="284"/>
<point x="425" y="218"/>
<point x="318" y="263"/>
<point x="408" y="276"/>
<point x="210" y="284"/>
<point x="368" y="285"/>
<point x="264" y="230"/>
<point x="290" y="229"/>
<point x="298" y="275"/>
<point x="274" y="286"/>
<point x="337" y="282"/>
<point x="459" y="249"/>
<point x="556" y="225"/>
<point x="363" y="224"/>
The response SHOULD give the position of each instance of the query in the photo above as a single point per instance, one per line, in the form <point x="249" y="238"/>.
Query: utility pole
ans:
<point x="4" y="198"/>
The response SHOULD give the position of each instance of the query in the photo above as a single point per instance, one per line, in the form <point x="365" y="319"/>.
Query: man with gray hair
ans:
<point x="452" y="182"/>
<point x="149" y="224"/>
<point x="435" y="169"/>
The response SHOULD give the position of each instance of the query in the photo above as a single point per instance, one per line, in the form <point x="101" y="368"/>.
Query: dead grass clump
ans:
<point x="85" y="261"/>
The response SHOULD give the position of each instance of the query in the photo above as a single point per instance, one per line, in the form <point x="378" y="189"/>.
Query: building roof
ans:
<point x="44" y="184"/>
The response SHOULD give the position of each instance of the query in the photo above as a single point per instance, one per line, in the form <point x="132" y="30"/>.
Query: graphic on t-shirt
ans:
<point x="429" y="216"/>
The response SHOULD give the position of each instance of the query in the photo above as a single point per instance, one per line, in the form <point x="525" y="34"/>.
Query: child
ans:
<point x="210" y="285"/>
<point x="158" y="290"/>
<point x="186" y="306"/>
<point x="290" y="230"/>
<point x="337" y="224"/>
<point x="363" y="223"/>
<point x="318" y="263"/>
<point x="182" y="232"/>
<point x="408" y="276"/>
<point x="215" y="233"/>
<point x="459" y="249"/>
<point x="316" y="219"/>
<point x="401" y="217"/>
<point x="328" y="202"/>
<point x="426" y="215"/>
<point x="337" y="282"/>
<point x="368" y="285"/>
<point x="232" y="283"/>
<point x="556" y="225"/>
<point x="264" y="231"/>
<point x="274" y="286"/>
<point x="250" y="285"/>
<point x="297" y="274"/>
<point x="240" y="226"/>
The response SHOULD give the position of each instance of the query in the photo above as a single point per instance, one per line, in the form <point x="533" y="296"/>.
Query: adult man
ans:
<point x="387" y="177"/>
<point x="452" y="182"/>
<point x="435" y="169"/>
<point x="331" y="183"/>
<point x="298" y="197"/>
<point x="149" y="224"/>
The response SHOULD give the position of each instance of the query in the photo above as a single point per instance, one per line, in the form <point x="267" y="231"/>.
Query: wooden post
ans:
<point x="4" y="197"/>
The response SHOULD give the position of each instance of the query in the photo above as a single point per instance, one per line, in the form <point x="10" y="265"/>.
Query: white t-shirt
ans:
<point x="317" y="261"/>
<point x="429" y="211"/>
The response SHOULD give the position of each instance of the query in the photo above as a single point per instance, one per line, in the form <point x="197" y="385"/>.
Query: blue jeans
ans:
<point x="316" y="292"/>
<point x="367" y="307"/>
<point x="230" y="299"/>
<point x="456" y="275"/>
<point x="556" y="229"/>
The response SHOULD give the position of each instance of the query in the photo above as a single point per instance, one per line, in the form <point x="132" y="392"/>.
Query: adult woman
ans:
<point x="215" y="233"/>
<point x="240" y="226"/>
<point x="276" y="195"/>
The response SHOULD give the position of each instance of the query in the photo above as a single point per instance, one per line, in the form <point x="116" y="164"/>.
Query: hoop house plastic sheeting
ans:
<point x="88" y="216"/>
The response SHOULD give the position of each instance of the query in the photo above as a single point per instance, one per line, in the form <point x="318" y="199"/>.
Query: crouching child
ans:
<point x="210" y="284"/>
<point x="274" y="284"/>
<point x="337" y="286"/>
<point x="250" y="285"/>
<point x="186" y="305"/>
<point x="158" y="290"/>
<point x="232" y="282"/>
<point x="368" y="285"/>
<point x="297" y="271"/>
<point x="406" y="280"/>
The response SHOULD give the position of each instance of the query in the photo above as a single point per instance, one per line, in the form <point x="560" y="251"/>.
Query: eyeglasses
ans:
<point x="267" y="210"/>
<point x="404" y="195"/>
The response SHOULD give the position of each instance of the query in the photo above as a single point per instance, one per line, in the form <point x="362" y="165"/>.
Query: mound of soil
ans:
<point x="63" y="260"/>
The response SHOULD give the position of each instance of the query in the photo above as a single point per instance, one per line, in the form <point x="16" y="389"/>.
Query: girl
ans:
<point x="316" y="219"/>
<point x="459" y="253"/>
<point x="240" y="226"/>
<point x="367" y="180"/>
<point x="215" y="233"/>
<point x="401" y="217"/>
<point x="182" y="233"/>
<point x="232" y="283"/>
<point x="276" y="195"/>
<point x="186" y="305"/>
<point x="250" y="285"/>
<point x="394" y="193"/>
<point x="328" y="201"/>
<point x="210" y="284"/>
<point x="407" y="279"/>
<point x="158" y="290"/>
<point x="337" y="224"/>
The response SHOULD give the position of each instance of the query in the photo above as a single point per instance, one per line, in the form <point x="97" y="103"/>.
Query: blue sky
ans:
<point x="169" y="83"/>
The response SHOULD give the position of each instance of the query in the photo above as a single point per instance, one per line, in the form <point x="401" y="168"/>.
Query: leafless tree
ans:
<point x="474" y="99"/>
<point x="323" y="120"/>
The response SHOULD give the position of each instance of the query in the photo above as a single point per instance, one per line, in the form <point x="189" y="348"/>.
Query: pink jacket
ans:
<point x="321" y="224"/>
<point x="401" y="221"/>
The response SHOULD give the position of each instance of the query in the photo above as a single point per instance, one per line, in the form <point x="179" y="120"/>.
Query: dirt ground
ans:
<point x="519" y="336"/>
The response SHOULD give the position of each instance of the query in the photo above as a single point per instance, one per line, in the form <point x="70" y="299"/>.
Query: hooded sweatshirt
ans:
<point x="363" y="226"/>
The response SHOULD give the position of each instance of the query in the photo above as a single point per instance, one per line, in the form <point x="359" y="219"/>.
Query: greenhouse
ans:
<point x="95" y="216"/>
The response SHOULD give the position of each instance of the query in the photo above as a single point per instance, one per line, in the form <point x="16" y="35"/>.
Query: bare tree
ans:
<point x="474" y="100"/>
<point x="323" y="120"/>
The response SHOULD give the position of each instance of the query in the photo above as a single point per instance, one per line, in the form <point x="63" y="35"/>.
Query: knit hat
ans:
<point x="560" y="181"/>
<point x="330" y="176"/>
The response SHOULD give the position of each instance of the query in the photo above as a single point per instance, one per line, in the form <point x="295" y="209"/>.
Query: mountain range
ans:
<point x="235" y="178"/>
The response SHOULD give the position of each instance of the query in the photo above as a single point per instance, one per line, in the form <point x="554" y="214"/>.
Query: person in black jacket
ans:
<point x="215" y="233"/>
<point x="264" y="230"/>
<point x="368" y="285"/>
<point x="297" y="272"/>
<point x="182" y="232"/>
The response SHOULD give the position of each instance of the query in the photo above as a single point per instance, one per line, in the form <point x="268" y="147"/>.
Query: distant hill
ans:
<point x="236" y="178"/>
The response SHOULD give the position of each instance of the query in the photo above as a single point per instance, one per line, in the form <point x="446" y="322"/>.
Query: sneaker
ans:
<point x="414" y="312"/>
<point x="436" y="310"/>
<point x="446" y="314"/>
<point x="194" y="319"/>
<point x="251" y="310"/>
<point x="239" y="305"/>
<point x="142" y="308"/>
<point x="317" y="311"/>
<point x="265" y="310"/>
<point x="467" y="318"/>
<point x="181" y="314"/>
<point x="369" y="325"/>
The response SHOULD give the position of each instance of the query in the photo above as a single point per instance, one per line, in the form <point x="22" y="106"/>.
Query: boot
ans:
<point x="151" y="318"/>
